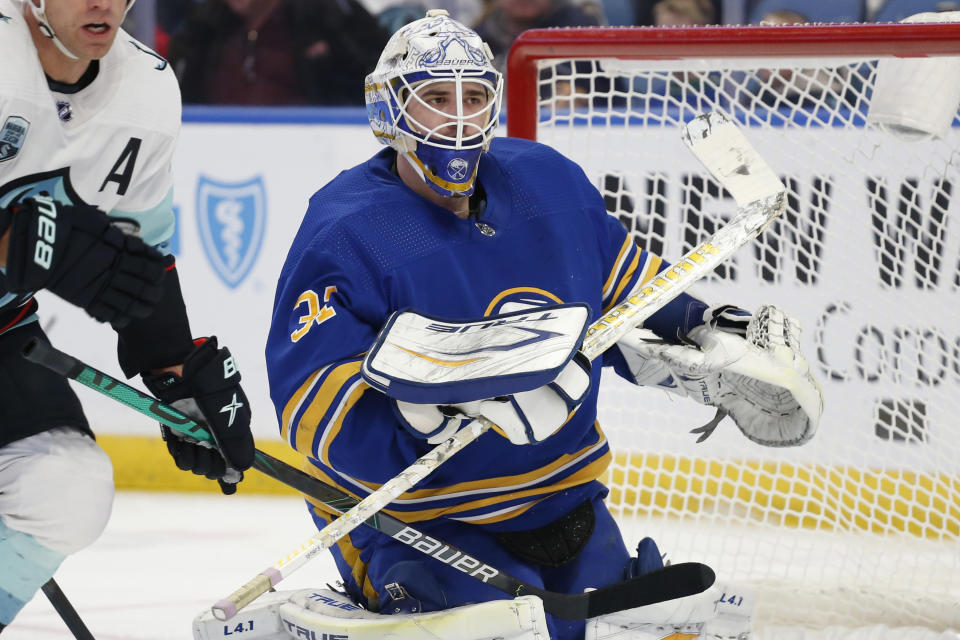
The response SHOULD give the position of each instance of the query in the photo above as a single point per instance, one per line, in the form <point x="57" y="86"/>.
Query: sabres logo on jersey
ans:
<point x="12" y="135"/>
<point x="520" y="298"/>
<point x="232" y="217"/>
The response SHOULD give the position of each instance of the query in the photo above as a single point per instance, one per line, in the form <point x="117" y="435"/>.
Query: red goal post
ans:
<point x="649" y="43"/>
<point x="861" y="526"/>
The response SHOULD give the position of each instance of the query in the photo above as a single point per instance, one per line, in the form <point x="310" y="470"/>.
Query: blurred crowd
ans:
<point x="317" y="52"/>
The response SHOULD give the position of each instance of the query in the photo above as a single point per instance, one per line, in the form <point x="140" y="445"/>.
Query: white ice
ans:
<point x="165" y="557"/>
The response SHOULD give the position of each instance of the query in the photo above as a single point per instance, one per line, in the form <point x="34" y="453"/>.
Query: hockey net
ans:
<point x="862" y="525"/>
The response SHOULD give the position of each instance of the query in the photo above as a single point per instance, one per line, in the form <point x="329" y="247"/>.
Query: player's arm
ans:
<point x="199" y="377"/>
<point x="326" y="315"/>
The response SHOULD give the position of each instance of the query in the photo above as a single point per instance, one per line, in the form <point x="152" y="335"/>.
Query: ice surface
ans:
<point x="165" y="557"/>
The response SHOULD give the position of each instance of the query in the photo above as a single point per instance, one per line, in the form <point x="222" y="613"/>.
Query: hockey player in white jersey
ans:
<point x="89" y="119"/>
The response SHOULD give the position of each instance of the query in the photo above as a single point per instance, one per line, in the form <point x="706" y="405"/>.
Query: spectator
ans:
<point x="396" y="15"/>
<point x="659" y="90"/>
<point x="504" y="20"/>
<point x="784" y="16"/>
<point x="807" y="89"/>
<point x="674" y="13"/>
<point x="275" y="52"/>
<point x="171" y="14"/>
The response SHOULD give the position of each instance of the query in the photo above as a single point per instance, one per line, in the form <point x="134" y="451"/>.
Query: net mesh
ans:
<point x="862" y="525"/>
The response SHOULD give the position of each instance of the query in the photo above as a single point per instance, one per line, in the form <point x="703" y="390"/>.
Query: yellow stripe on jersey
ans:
<point x="625" y="279"/>
<point x="336" y="422"/>
<point x="478" y="494"/>
<point x="586" y="474"/>
<point x="320" y="404"/>
<point x="293" y="404"/>
<point x="624" y="248"/>
<point x="649" y="272"/>
<point x="351" y="555"/>
<point x="503" y="294"/>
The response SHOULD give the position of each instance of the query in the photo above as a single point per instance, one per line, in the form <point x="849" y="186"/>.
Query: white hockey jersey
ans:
<point x="110" y="144"/>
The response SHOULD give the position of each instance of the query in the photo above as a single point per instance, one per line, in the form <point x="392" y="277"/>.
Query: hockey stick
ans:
<point x="66" y="611"/>
<point x="674" y="581"/>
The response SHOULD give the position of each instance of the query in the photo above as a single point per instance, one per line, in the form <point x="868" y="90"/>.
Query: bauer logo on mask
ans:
<point x="454" y="51"/>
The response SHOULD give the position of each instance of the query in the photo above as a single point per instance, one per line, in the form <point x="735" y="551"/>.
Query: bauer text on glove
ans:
<point x="76" y="252"/>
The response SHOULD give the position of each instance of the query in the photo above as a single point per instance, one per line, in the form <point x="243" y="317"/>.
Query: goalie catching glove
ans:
<point x="761" y="380"/>
<point x="77" y="253"/>
<point x="208" y="392"/>
<point x="527" y="417"/>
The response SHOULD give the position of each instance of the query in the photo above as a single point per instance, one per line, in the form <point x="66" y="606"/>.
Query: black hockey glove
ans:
<point x="210" y="393"/>
<point x="75" y="252"/>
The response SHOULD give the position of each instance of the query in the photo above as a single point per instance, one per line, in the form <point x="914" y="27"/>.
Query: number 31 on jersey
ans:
<point x="316" y="313"/>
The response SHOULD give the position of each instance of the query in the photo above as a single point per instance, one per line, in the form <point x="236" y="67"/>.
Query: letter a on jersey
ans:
<point x="122" y="171"/>
<point x="231" y="217"/>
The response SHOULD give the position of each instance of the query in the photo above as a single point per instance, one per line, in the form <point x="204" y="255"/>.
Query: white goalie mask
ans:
<point x="437" y="52"/>
<point x="39" y="9"/>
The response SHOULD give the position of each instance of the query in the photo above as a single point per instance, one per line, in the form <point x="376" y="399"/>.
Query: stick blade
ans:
<point x="671" y="582"/>
<point x="730" y="158"/>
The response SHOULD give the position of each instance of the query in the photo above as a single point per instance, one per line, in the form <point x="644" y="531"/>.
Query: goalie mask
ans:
<point x="39" y="9"/>
<point x="436" y="55"/>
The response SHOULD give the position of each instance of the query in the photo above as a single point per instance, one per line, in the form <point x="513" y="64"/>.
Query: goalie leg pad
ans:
<point x="260" y="620"/>
<point x="722" y="612"/>
<point x="322" y="613"/>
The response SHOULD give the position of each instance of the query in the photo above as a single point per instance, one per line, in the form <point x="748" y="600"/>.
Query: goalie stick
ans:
<point x="672" y="581"/>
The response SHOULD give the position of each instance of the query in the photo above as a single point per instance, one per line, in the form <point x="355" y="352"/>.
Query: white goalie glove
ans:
<point x="760" y="380"/>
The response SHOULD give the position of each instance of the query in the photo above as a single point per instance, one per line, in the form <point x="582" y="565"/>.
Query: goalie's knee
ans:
<point x="322" y="613"/>
<point x="722" y="612"/>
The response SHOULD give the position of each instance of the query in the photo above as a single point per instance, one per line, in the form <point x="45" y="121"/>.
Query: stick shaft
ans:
<point x="66" y="611"/>
<point x="672" y="582"/>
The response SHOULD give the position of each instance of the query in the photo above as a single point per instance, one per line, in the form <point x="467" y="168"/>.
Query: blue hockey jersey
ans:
<point x="368" y="246"/>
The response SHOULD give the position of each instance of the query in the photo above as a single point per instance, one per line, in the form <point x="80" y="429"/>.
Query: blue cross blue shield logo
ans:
<point x="231" y="218"/>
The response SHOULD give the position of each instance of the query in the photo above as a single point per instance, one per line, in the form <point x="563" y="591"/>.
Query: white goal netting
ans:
<point x="862" y="525"/>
